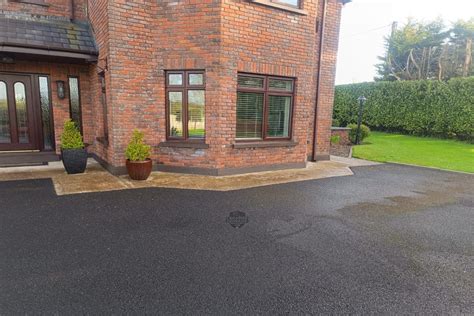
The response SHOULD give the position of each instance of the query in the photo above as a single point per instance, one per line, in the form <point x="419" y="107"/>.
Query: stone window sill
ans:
<point x="265" y="144"/>
<point x="280" y="6"/>
<point x="184" y="144"/>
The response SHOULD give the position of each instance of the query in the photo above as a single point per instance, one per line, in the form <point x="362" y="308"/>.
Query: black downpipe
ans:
<point x="322" y="30"/>
<point x="72" y="14"/>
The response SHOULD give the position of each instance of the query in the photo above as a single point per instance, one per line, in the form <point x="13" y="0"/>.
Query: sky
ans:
<point x="365" y="23"/>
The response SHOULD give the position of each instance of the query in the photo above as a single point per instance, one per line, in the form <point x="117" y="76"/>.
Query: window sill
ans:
<point x="265" y="144"/>
<point x="280" y="6"/>
<point x="184" y="144"/>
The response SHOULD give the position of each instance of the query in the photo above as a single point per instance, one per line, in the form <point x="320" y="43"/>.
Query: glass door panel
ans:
<point x="5" y="135"/>
<point x="21" y="113"/>
<point x="17" y="128"/>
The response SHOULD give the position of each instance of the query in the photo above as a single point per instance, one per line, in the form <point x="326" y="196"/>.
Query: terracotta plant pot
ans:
<point x="74" y="160"/>
<point x="139" y="170"/>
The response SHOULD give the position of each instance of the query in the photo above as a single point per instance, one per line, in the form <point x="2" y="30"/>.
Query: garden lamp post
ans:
<point x="361" y="100"/>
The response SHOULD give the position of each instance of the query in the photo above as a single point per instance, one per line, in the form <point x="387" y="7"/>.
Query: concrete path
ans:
<point x="97" y="179"/>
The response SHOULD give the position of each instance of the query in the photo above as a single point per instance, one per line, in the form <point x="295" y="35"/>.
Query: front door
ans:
<point x="17" y="116"/>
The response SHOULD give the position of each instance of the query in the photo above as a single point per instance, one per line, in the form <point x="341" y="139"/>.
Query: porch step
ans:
<point x="16" y="159"/>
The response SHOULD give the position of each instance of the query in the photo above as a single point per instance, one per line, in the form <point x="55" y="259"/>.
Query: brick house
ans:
<point x="218" y="86"/>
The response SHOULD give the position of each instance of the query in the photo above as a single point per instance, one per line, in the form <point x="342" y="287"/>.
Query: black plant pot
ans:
<point x="74" y="160"/>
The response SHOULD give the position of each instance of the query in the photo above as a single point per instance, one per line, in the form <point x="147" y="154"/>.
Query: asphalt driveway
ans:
<point x="391" y="239"/>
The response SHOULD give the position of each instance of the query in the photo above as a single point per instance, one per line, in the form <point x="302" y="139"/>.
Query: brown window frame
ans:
<point x="267" y="92"/>
<point x="183" y="88"/>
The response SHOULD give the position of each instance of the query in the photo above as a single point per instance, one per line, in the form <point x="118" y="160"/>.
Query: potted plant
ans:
<point x="73" y="152"/>
<point x="139" y="164"/>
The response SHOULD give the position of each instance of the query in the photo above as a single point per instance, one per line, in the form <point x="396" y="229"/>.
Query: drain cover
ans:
<point x="237" y="219"/>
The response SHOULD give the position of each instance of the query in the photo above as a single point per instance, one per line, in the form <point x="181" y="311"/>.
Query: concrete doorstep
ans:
<point x="97" y="179"/>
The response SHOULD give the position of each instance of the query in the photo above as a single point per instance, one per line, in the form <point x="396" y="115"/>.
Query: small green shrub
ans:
<point x="137" y="150"/>
<point x="71" y="137"/>
<point x="364" y="132"/>
<point x="335" y="139"/>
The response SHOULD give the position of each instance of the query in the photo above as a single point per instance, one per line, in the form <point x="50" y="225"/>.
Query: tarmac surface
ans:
<point x="389" y="240"/>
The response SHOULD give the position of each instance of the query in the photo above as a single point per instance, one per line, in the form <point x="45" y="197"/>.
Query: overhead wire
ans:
<point x="368" y="31"/>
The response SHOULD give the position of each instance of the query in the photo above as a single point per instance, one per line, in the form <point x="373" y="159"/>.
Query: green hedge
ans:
<point x="424" y="107"/>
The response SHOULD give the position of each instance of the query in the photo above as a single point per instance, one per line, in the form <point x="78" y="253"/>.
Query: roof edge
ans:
<point x="48" y="52"/>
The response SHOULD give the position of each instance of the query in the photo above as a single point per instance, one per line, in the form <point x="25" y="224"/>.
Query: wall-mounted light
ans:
<point x="61" y="88"/>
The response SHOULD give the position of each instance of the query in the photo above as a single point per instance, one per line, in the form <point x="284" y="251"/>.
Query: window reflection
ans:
<point x="75" y="101"/>
<point x="175" y="79"/>
<point x="175" y="100"/>
<point x="46" y="113"/>
<point x="5" y="136"/>
<point x="196" y="79"/>
<point x="196" y="119"/>
<point x="21" y="113"/>
<point x="279" y="108"/>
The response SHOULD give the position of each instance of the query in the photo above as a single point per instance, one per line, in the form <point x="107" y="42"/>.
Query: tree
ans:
<point x="428" y="51"/>
<point x="461" y="38"/>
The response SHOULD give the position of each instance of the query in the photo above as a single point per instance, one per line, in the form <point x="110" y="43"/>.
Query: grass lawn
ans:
<point x="422" y="151"/>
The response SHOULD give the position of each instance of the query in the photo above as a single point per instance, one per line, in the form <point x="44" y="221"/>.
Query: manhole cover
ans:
<point x="237" y="219"/>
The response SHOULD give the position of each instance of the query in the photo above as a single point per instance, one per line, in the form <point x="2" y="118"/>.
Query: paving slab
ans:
<point x="313" y="171"/>
<point x="354" y="162"/>
<point x="97" y="179"/>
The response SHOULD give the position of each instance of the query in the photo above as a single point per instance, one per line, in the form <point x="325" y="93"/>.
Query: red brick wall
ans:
<point x="223" y="37"/>
<point x="195" y="29"/>
<point x="132" y="75"/>
<point x="99" y="19"/>
<point x="145" y="40"/>
<point x="328" y="77"/>
<point x="58" y="8"/>
<point x="343" y="134"/>
<point x="139" y="40"/>
<point x="265" y="40"/>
